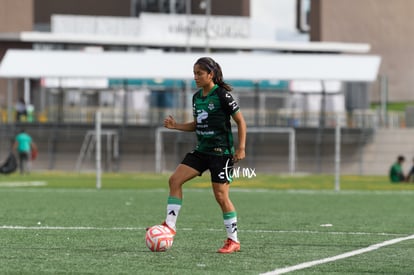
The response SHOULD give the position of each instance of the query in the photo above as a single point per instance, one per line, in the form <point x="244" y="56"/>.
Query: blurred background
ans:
<point x="336" y="63"/>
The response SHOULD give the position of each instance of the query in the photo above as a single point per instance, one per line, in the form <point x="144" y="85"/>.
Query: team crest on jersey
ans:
<point x="210" y="106"/>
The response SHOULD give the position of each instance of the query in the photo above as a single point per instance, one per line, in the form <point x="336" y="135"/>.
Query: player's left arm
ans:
<point x="241" y="133"/>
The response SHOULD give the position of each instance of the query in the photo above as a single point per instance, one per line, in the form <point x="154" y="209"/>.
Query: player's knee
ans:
<point x="174" y="182"/>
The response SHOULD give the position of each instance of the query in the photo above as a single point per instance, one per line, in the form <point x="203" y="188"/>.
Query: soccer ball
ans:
<point x="159" y="238"/>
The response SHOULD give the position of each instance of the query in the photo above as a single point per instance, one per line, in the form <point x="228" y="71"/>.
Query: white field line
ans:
<point x="80" y="228"/>
<point x="322" y="232"/>
<point x="39" y="227"/>
<point x="22" y="183"/>
<point x="338" y="257"/>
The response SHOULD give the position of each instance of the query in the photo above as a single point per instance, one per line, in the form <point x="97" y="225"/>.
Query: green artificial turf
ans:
<point x="63" y="224"/>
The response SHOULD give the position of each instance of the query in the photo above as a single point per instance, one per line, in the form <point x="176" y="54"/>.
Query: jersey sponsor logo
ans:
<point x="204" y="133"/>
<point x="233" y="105"/>
<point x="202" y="115"/>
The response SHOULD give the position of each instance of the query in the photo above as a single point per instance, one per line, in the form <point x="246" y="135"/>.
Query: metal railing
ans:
<point x="155" y="116"/>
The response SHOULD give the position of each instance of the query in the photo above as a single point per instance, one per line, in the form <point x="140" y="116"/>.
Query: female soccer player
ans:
<point x="213" y="106"/>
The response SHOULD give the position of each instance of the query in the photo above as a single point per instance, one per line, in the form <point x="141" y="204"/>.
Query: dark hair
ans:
<point x="209" y="65"/>
<point x="401" y="158"/>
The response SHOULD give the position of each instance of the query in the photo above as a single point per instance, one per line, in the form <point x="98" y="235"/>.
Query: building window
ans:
<point x="160" y="6"/>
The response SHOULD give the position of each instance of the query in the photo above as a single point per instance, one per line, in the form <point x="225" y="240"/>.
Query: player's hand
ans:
<point x="169" y="122"/>
<point x="239" y="155"/>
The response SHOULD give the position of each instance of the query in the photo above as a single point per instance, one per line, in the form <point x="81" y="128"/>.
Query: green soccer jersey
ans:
<point x="213" y="128"/>
<point x="396" y="173"/>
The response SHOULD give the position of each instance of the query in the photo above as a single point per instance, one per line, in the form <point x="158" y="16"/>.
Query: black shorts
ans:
<point x="221" y="167"/>
<point x="24" y="155"/>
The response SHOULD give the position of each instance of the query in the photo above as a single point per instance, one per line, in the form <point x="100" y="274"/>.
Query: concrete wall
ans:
<point x="386" y="25"/>
<point x="386" y="145"/>
<point x="266" y="153"/>
<point x="16" y="16"/>
<point x="43" y="9"/>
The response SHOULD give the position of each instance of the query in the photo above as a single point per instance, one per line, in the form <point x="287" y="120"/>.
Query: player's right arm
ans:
<point x="170" y="123"/>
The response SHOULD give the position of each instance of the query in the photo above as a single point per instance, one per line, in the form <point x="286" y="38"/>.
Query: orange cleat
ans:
<point x="230" y="246"/>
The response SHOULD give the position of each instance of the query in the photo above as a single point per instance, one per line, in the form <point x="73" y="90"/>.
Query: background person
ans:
<point x="396" y="172"/>
<point x="213" y="106"/>
<point x="23" y="145"/>
<point x="20" y="109"/>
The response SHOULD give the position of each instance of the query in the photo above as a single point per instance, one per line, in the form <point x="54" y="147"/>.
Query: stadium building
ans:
<point x="138" y="30"/>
